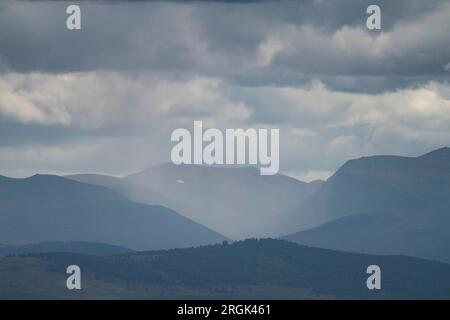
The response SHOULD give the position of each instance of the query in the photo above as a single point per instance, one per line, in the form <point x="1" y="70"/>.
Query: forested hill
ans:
<point x="248" y="269"/>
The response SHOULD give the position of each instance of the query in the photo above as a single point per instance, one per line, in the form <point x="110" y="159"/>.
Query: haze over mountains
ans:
<point x="50" y="208"/>
<point x="385" y="205"/>
<point x="236" y="202"/>
<point x="371" y="206"/>
<point x="376" y="205"/>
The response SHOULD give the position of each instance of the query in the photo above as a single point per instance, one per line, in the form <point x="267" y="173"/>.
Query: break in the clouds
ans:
<point x="106" y="98"/>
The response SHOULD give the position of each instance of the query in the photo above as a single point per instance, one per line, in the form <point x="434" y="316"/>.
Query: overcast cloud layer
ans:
<point x="106" y="98"/>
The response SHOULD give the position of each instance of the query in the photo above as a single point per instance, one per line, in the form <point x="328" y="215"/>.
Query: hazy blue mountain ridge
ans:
<point x="237" y="202"/>
<point x="46" y="208"/>
<point x="383" y="204"/>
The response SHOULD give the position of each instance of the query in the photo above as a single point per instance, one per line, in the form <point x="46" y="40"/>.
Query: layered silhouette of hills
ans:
<point x="91" y="248"/>
<point x="237" y="202"/>
<point x="264" y="269"/>
<point x="46" y="208"/>
<point x="383" y="204"/>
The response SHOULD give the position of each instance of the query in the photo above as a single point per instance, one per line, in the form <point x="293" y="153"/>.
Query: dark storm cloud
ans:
<point x="279" y="42"/>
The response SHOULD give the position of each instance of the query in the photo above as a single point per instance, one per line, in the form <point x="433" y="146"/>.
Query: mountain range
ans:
<point x="236" y="202"/>
<point x="374" y="205"/>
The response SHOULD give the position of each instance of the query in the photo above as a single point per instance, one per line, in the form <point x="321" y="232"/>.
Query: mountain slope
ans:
<point x="264" y="269"/>
<point x="440" y="156"/>
<point x="237" y="202"/>
<point x="383" y="204"/>
<point x="383" y="233"/>
<point x="50" y="208"/>
<point x="380" y="184"/>
<point x="97" y="249"/>
<point x="123" y="187"/>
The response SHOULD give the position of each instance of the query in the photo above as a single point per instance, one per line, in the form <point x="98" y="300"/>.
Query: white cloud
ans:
<point x="17" y="105"/>
<point x="101" y="99"/>
<point x="410" y="47"/>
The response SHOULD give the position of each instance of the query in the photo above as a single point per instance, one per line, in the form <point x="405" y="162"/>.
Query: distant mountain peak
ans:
<point x="169" y="166"/>
<point x="370" y="163"/>
<point x="39" y="176"/>
<point x="441" y="153"/>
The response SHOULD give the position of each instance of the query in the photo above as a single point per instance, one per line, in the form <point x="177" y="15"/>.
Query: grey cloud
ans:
<point x="317" y="39"/>
<point x="319" y="128"/>
<point x="447" y="67"/>
<point x="106" y="99"/>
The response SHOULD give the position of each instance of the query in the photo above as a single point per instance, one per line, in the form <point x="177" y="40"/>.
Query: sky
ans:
<point x="106" y="98"/>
